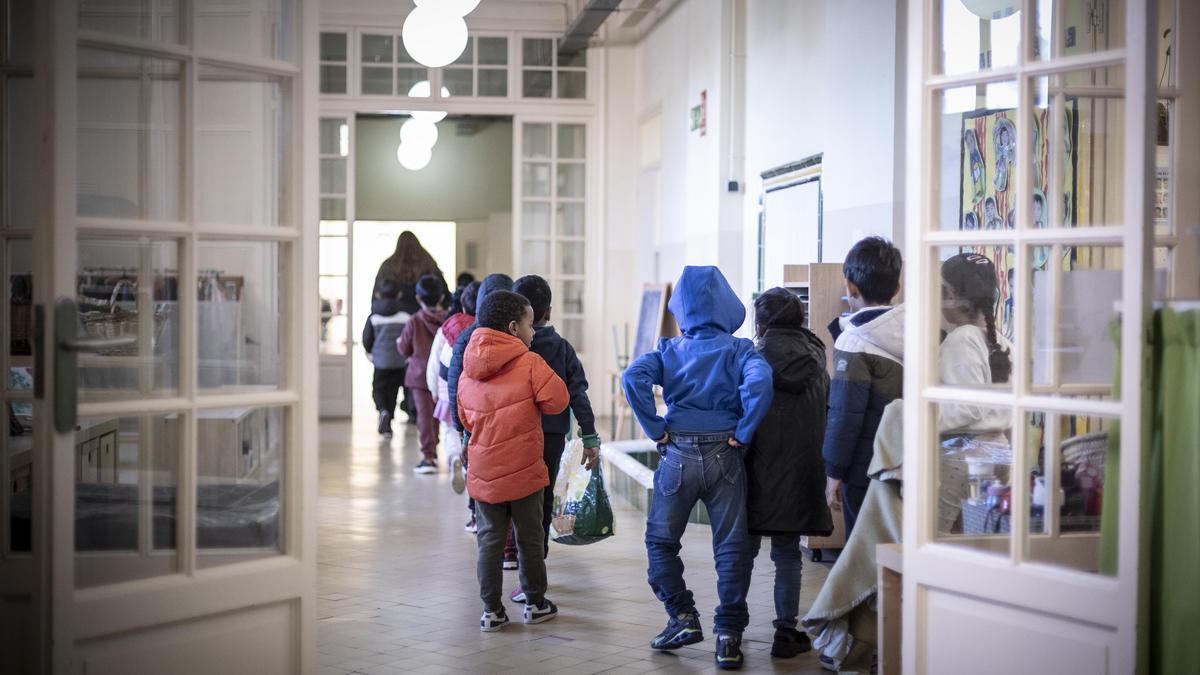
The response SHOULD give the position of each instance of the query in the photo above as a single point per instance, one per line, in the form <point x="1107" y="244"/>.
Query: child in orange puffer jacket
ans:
<point x="503" y="393"/>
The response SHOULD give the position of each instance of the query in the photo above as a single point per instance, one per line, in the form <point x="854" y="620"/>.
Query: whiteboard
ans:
<point x="791" y="228"/>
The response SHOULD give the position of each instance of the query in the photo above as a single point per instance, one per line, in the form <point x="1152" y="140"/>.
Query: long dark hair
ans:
<point x="973" y="278"/>
<point x="409" y="262"/>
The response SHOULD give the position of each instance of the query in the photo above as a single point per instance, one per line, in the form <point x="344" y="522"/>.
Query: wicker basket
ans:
<point x="115" y="322"/>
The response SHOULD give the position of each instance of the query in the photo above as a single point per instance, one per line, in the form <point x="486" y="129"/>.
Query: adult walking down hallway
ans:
<point x="393" y="302"/>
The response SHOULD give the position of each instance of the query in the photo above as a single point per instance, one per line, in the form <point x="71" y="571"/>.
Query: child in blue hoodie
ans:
<point x="717" y="389"/>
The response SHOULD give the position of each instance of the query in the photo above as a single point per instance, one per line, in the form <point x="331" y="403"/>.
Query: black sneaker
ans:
<point x="729" y="652"/>
<point x="426" y="466"/>
<point x="385" y="424"/>
<point x="790" y="643"/>
<point x="540" y="613"/>
<point x="681" y="631"/>
<point x="491" y="621"/>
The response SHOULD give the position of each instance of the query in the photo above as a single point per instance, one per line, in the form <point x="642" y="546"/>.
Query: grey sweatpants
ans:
<point x="525" y="514"/>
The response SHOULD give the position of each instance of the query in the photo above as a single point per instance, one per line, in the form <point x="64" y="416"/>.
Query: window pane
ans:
<point x="537" y="52"/>
<point x="973" y="42"/>
<point x="402" y="55"/>
<point x="535" y="219"/>
<point x="334" y="321"/>
<point x="978" y="163"/>
<point x="242" y="296"/>
<point x="1069" y="450"/>
<point x="1073" y="33"/>
<point x="493" y="51"/>
<point x="467" y="58"/>
<point x="378" y="49"/>
<point x="536" y="143"/>
<point x="333" y="47"/>
<point x="333" y="79"/>
<point x="974" y="482"/>
<point x="239" y="461"/>
<point x="18" y="137"/>
<point x="570" y="257"/>
<point x="377" y="80"/>
<point x="535" y="257"/>
<point x="260" y="28"/>
<point x="570" y="180"/>
<point x="333" y="208"/>
<point x="571" y="301"/>
<point x="334" y="256"/>
<point x="19" y="441"/>
<point x="333" y="175"/>
<point x="976" y="307"/>
<point x="458" y="81"/>
<point x="576" y="60"/>
<point x="155" y="20"/>
<point x="1163" y="220"/>
<point x="571" y="141"/>
<point x="20" y="35"/>
<point x="244" y="122"/>
<point x="334" y="228"/>
<point x="493" y="82"/>
<point x="536" y="83"/>
<point x="407" y="77"/>
<point x="330" y="135"/>
<point x="128" y="291"/>
<point x="130" y="119"/>
<point x="572" y="84"/>
<point x="535" y="179"/>
<point x="114" y="458"/>
<point x="20" y="298"/>
<point x="572" y="331"/>
<point x="569" y="219"/>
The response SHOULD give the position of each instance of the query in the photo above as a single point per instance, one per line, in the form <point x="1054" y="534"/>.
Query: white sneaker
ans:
<point x="491" y="622"/>
<point x="542" y="614"/>
<point x="458" y="481"/>
<point x="426" y="466"/>
<point x="509" y="565"/>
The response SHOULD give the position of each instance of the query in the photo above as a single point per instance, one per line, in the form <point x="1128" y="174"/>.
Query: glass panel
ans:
<point x="19" y="139"/>
<point x="126" y="472"/>
<point x="155" y="20"/>
<point x="535" y="179"/>
<point x="572" y="331"/>
<point x="334" y="47"/>
<point x="1074" y="489"/>
<point x="1090" y="148"/>
<point x="334" y="259"/>
<point x="537" y="52"/>
<point x="332" y="208"/>
<point x="333" y="175"/>
<point x="257" y="28"/>
<point x="333" y="79"/>
<point x="1163" y="222"/>
<point x="19" y="443"/>
<point x="493" y="51"/>
<point x="129" y="132"/>
<point x="20" y="34"/>
<point x="535" y="257"/>
<point x="988" y="35"/>
<point x="402" y="55"/>
<point x="377" y="80"/>
<point x="467" y="58"/>
<point x="240" y="458"/>
<point x="459" y="81"/>
<point x="576" y="60"/>
<point x="128" y="291"/>
<point x="20" y="297"/>
<point x="334" y="228"/>
<point x="976" y="310"/>
<point x="1075" y="319"/>
<point x="571" y="300"/>
<point x="330" y="135"/>
<point x="572" y="84"/>
<point x="571" y="141"/>
<point x="974" y="480"/>
<point x="241" y="293"/>
<point x="378" y="49"/>
<point x="569" y="219"/>
<point x="244" y="122"/>
<point x="535" y="219"/>
<point x="570" y="180"/>
<point x="493" y="82"/>
<point x="407" y="77"/>
<point x="536" y="83"/>
<point x="977" y="151"/>
<point x="1068" y="29"/>
<point x="570" y="257"/>
<point x="335" y="326"/>
<point x="536" y="141"/>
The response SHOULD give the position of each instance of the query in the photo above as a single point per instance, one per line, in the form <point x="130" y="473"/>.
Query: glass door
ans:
<point x="336" y="138"/>
<point x="173" y="434"/>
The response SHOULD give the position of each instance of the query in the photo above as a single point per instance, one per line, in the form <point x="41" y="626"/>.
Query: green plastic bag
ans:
<point x="582" y="513"/>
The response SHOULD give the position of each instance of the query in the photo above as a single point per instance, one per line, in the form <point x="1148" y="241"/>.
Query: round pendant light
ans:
<point x="418" y="132"/>
<point x="412" y="157"/>
<point x="455" y="7"/>
<point x="434" y="36"/>
<point x="987" y="9"/>
<point x="421" y="90"/>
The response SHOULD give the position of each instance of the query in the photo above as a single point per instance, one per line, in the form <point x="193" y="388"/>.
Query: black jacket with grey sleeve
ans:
<point x="868" y="374"/>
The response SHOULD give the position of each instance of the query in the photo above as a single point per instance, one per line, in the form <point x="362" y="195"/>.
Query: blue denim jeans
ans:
<point x="785" y="553"/>
<point x="700" y="467"/>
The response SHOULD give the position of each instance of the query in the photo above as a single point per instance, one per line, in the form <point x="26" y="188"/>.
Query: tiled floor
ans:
<point x="398" y="592"/>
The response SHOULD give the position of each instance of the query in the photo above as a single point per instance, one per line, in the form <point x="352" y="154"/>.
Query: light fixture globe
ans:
<point x="421" y="90"/>
<point x="455" y="7"/>
<point x="412" y="157"/>
<point x="433" y="36"/>
<point x="418" y="132"/>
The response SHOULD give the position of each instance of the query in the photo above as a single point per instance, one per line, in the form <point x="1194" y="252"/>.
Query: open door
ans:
<point x="338" y="335"/>
<point x="1030" y="143"/>
<point x="173" y="465"/>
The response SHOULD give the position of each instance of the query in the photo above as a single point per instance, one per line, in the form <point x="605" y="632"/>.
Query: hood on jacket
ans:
<point x="493" y="282"/>
<point x="429" y="320"/>
<point x="797" y="357"/>
<point x="386" y="306"/>
<point x="885" y="332"/>
<point x="703" y="300"/>
<point x="489" y="352"/>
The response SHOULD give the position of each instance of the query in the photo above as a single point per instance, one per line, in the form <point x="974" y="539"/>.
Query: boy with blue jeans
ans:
<point x="717" y="389"/>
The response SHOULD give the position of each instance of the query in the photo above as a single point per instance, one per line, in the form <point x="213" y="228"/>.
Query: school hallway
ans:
<point x="397" y="589"/>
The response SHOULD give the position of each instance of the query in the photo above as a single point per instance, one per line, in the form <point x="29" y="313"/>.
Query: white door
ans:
<point x="336" y="138"/>
<point x="173" y="471"/>
<point x="1030" y="143"/>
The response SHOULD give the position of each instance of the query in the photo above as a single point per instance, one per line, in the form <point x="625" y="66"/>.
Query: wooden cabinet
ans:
<point x="232" y="445"/>
<point x="822" y="288"/>
<point x="96" y="452"/>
